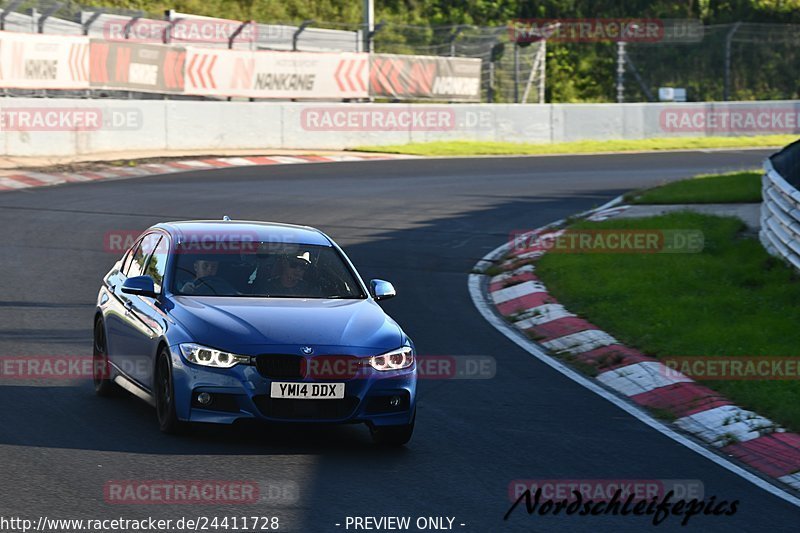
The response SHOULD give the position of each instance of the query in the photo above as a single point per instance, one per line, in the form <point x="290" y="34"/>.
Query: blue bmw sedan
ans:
<point x="221" y="321"/>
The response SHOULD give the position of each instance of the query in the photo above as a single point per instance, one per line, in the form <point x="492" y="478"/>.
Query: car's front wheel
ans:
<point x="168" y="420"/>
<point x="393" y="435"/>
<point x="101" y="370"/>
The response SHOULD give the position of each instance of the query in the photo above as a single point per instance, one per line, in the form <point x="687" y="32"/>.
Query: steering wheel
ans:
<point x="215" y="283"/>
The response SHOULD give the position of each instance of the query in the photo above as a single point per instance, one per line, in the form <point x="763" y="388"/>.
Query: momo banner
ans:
<point x="35" y="61"/>
<point x="137" y="67"/>
<point x="425" y="77"/>
<point x="211" y="72"/>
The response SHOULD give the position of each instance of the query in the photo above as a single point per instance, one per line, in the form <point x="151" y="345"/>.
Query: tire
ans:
<point x="393" y="435"/>
<point x="101" y="369"/>
<point x="165" y="396"/>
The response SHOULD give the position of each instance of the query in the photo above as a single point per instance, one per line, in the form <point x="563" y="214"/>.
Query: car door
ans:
<point x="135" y="332"/>
<point x="147" y="318"/>
<point x="117" y="330"/>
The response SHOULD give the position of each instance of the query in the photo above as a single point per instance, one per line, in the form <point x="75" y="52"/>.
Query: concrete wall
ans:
<point x="164" y="125"/>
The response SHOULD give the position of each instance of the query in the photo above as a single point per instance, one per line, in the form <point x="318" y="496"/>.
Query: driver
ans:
<point x="203" y="268"/>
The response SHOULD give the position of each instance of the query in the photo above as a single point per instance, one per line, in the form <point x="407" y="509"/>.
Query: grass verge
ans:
<point x="731" y="299"/>
<point x="734" y="187"/>
<point x="468" y="148"/>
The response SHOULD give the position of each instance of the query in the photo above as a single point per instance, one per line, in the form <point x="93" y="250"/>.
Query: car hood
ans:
<point x="253" y="325"/>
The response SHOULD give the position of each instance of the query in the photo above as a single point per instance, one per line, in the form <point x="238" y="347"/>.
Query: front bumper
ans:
<point x="242" y="393"/>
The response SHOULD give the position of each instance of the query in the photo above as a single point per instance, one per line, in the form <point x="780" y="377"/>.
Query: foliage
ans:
<point x="576" y="72"/>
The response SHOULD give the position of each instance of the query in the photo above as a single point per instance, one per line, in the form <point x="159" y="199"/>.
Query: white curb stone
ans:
<point x="237" y="161"/>
<point x="14" y="184"/>
<point x="526" y="256"/>
<point x="542" y="314"/>
<point x="727" y="424"/>
<point x="641" y="377"/>
<point x="46" y="178"/>
<point x="793" y="480"/>
<point x="285" y="159"/>
<point x="527" y="269"/>
<point x="583" y="341"/>
<point x="517" y="291"/>
<point x="195" y="163"/>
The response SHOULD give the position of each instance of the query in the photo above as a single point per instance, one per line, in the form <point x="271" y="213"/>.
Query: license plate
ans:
<point x="307" y="391"/>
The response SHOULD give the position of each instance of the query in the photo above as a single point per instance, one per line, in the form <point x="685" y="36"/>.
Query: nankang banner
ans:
<point x="265" y="74"/>
<point x="36" y="61"/>
<point x="425" y="77"/>
<point x="137" y="67"/>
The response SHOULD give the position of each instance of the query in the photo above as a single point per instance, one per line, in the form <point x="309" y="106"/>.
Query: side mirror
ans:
<point x="140" y="286"/>
<point x="382" y="290"/>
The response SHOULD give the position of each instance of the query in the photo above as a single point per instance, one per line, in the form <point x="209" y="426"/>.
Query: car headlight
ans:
<point x="203" y="355"/>
<point x="394" y="360"/>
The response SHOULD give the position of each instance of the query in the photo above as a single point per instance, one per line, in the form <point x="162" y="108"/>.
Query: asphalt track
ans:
<point x="419" y="223"/>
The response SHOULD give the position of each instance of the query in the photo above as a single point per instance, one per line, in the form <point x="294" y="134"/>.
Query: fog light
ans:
<point x="204" y="398"/>
<point x="394" y="401"/>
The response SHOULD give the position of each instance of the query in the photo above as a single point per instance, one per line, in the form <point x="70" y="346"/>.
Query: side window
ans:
<point x="130" y="259"/>
<point x="157" y="264"/>
<point x="126" y="259"/>
<point x="143" y="251"/>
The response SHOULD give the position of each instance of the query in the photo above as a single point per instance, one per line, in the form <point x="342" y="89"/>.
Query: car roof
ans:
<point x="247" y="230"/>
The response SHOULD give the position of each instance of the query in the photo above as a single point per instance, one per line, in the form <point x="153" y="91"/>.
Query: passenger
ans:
<point x="290" y="280"/>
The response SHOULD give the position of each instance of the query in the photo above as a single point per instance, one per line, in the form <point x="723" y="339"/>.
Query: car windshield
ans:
<point x="264" y="269"/>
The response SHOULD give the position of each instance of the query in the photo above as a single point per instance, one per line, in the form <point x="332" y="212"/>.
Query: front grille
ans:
<point x="319" y="368"/>
<point x="280" y="366"/>
<point x="306" y="409"/>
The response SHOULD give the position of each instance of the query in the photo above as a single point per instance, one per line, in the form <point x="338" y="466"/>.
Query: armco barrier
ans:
<point x="780" y="210"/>
<point x="33" y="126"/>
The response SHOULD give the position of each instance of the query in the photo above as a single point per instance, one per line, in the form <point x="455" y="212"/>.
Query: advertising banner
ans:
<point x="425" y="77"/>
<point x="263" y="74"/>
<point x="137" y="67"/>
<point x="36" y="61"/>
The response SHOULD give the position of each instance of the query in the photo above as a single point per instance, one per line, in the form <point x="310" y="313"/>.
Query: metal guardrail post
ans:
<point x="296" y="35"/>
<point x="129" y="26"/>
<point x="236" y="33"/>
<point x="91" y="20"/>
<point x="44" y="15"/>
<point x="453" y="39"/>
<point x="11" y="6"/>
